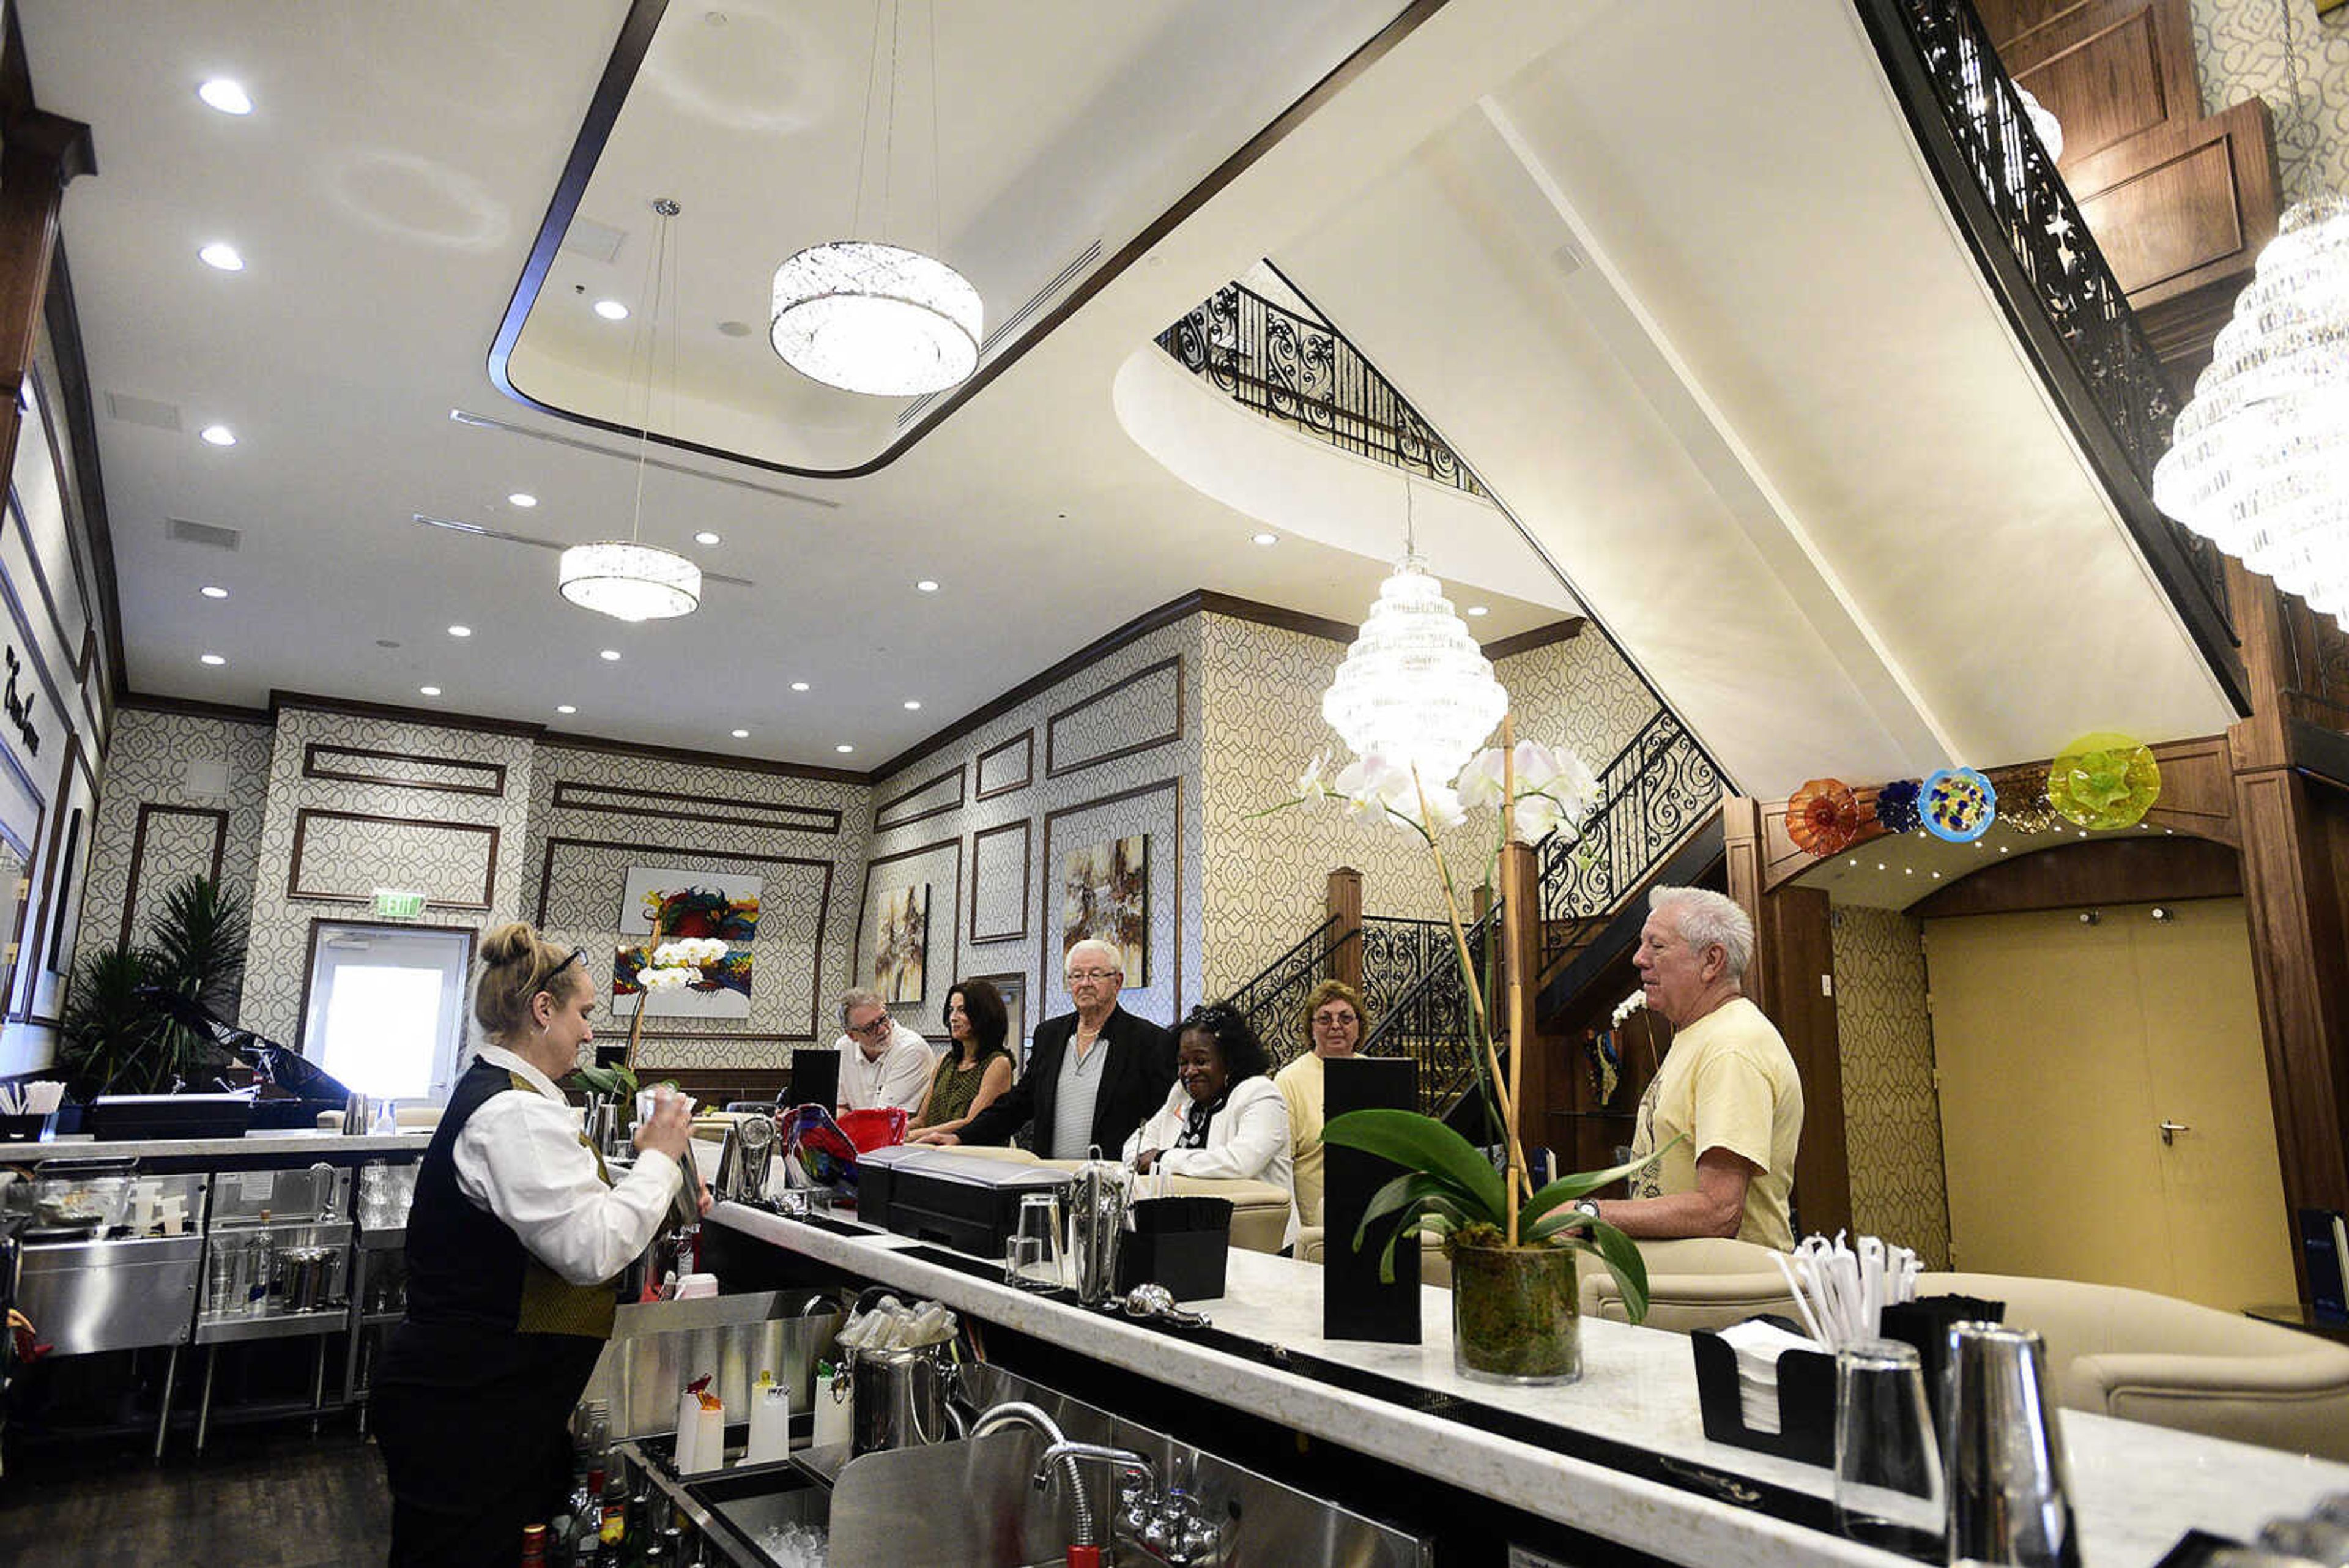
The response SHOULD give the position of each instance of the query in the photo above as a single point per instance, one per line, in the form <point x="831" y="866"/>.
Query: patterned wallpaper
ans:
<point x="390" y="829"/>
<point x="807" y="904"/>
<point x="1054" y="808"/>
<point x="2238" y="46"/>
<point x="1265" y="875"/>
<point x="1892" y="1117"/>
<point x="148" y="763"/>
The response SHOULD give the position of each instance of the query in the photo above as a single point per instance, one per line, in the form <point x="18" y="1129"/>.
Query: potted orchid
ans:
<point x="1515" y="1301"/>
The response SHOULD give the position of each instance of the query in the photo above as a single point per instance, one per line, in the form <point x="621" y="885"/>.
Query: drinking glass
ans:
<point x="1888" y="1477"/>
<point x="1031" y="1257"/>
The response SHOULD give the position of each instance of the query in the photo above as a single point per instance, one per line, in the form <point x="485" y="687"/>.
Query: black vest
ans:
<point x="466" y="1265"/>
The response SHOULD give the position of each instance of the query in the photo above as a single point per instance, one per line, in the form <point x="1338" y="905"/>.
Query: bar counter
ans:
<point x="1621" y="1454"/>
<point x="253" y="1152"/>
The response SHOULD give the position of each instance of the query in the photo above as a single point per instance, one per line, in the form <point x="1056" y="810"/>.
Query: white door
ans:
<point x="387" y="1009"/>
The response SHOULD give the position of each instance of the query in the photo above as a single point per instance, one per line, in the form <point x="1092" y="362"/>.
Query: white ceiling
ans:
<point x="1667" y="274"/>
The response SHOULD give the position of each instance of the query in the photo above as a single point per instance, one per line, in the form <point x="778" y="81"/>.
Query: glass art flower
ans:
<point x="1822" y="817"/>
<point x="1895" y="806"/>
<point x="1957" y="805"/>
<point x="2104" y="780"/>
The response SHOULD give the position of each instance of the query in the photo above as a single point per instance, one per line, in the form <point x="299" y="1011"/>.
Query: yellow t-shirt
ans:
<point x="1728" y="1082"/>
<point x="1300" y="1084"/>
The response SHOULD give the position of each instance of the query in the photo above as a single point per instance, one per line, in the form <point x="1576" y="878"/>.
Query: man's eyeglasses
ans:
<point x="1077" y="974"/>
<point x="875" y="1030"/>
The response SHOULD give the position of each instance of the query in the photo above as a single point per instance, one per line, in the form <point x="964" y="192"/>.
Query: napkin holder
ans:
<point x="1180" y="1242"/>
<point x="1805" y="1432"/>
<point x="1925" y="1323"/>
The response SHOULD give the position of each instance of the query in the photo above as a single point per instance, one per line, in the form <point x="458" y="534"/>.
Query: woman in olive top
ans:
<point x="977" y="1067"/>
<point x="1334" y="1022"/>
<point x="513" y="1241"/>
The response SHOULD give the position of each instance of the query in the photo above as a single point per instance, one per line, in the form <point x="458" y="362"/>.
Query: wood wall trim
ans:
<point x="957" y="772"/>
<point x="1025" y="741"/>
<point x="54" y="857"/>
<point x="2153" y="868"/>
<point x="1052" y="767"/>
<point x="307" y="815"/>
<point x="17" y="968"/>
<point x="1337" y="631"/>
<point x="63" y="319"/>
<point x="1540" y="637"/>
<point x="190" y="707"/>
<point x="318" y="750"/>
<point x="565" y="741"/>
<point x="218" y="818"/>
<point x="2183" y="204"/>
<point x="78" y="651"/>
<point x="571" y="794"/>
<point x="863" y="902"/>
<point x="1044" y="905"/>
<point x="397" y="713"/>
<point x="1027" y="874"/>
<point x="735" y="857"/>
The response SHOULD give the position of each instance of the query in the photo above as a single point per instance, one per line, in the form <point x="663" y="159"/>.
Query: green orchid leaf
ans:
<point x="1413" y="1187"/>
<point x="1567" y="1188"/>
<point x="1622" y="1259"/>
<point x="1430" y="1224"/>
<point x="1423" y="1143"/>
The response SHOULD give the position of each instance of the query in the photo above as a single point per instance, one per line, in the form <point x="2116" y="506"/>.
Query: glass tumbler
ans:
<point x="1889" y="1488"/>
<point x="1031" y="1257"/>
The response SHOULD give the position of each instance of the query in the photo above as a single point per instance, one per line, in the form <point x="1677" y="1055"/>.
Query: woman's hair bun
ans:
<point x="506" y="944"/>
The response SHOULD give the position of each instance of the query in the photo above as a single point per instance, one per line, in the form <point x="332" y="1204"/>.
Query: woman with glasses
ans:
<point x="1222" y="1117"/>
<point x="977" y="1071"/>
<point x="1334" y="1023"/>
<point x="513" y="1241"/>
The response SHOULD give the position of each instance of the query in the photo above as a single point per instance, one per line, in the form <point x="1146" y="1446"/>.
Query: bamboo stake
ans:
<point x="636" y="1028"/>
<point x="1513" y="963"/>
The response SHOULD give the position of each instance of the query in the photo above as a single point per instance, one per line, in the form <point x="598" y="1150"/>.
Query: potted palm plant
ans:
<point x="115" y="1040"/>
<point x="1515" y="1301"/>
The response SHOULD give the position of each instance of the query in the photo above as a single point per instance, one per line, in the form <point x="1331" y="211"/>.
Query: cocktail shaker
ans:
<point x="358" y="1116"/>
<point x="2002" y="1452"/>
<point x="1098" y="1199"/>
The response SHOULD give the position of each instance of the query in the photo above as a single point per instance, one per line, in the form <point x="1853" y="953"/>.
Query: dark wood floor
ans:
<point x="273" y="1498"/>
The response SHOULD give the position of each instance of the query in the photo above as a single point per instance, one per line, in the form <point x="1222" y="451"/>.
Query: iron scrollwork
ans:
<point x="1658" y="787"/>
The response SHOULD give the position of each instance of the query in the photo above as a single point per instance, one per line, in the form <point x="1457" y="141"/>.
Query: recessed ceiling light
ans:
<point x="843" y="747"/>
<point x="461" y="631"/>
<point x="707" y="538"/>
<point x="211" y="592"/>
<point x="799" y="685"/>
<point x="565" y="708"/>
<point x="1266" y="538"/>
<point x="521" y="498"/>
<point x="926" y="586"/>
<point x="221" y="254"/>
<point x="386" y="642"/>
<point x="734" y="328"/>
<point x="912" y="704"/>
<point x="212" y="659"/>
<point x="226" y="95"/>
<point x="609" y="653"/>
<point x="219" y="435"/>
<point x="430" y="690"/>
<point x="1478" y="609"/>
<point x="611" y="310"/>
<point x="741" y="735"/>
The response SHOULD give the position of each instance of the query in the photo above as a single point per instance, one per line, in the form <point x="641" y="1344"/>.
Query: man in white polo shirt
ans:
<point x="882" y="1062"/>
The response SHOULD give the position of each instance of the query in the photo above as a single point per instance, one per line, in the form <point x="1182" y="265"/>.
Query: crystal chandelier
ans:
<point x="868" y="317"/>
<point x="2042" y="120"/>
<point x="626" y="578"/>
<point x="1414" y="687"/>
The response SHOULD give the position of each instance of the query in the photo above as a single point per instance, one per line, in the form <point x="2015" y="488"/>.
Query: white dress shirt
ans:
<point x="1249" y="1137"/>
<point x="899" y="1076"/>
<point x="520" y="1158"/>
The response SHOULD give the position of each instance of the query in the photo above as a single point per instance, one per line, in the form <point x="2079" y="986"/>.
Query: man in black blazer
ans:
<point x="1100" y="1056"/>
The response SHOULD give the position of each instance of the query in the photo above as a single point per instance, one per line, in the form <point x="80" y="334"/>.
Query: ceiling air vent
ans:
<point x="472" y="420"/>
<point x="1013" y="322"/>
<point x="204" y="534"/>
<point x="596" y="242"/>
<point x="454" y="525"/>
<point x="142" y="411"/>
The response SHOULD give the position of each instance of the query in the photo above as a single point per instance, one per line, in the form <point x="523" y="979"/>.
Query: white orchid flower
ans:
<point x="1372" y="785"/>
<point x="1312" y="789"/>
<point x="1480" y="780"/>
<point x="1444" y="807"/>
<point x="1537" y="817"/>
<point x="1630" y="1005"/>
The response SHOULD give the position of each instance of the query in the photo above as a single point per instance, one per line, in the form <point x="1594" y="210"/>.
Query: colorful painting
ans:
<point x="667" y="901"/>
<point x="723" y="991"/>
<point x="1105" y="897"/>
<point x="901" y="943"/>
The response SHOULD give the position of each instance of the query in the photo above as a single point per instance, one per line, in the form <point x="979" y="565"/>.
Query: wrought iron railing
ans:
<point x="1656" y="788"/>
<point x="2033" y="215"/>
<point x="1395" y="953"/>
<point x="1272" y="1001"/>
<point x="1303" y="373"/>
<point x="1432" y="1021"/>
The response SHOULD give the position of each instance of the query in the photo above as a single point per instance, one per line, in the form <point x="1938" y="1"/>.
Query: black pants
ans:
<point x="474" y="1427"/>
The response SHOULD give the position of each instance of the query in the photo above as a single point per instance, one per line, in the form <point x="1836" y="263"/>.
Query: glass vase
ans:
<point x="1516" y="1314"/>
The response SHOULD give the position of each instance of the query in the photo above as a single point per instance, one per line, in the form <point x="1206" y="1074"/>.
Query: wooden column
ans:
<point x="39" y="154"/>
<point x="1791" y="980"/>
<point x="1345" y="907"/>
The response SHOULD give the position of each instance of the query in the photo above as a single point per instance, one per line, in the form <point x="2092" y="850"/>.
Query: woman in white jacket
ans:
<point x="1222" y="1117"/>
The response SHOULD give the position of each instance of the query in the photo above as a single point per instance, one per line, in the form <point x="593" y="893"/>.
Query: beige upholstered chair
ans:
<point x="2171" y="1363"/>
<point x="1697" y="1281"/>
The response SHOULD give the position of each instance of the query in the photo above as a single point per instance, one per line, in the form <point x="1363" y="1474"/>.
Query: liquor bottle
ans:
<point x="614" y="1530"/>
<point x="584" y="1513"/>
<point x="264" y="1267"/>
<point x="533" y="1546"/>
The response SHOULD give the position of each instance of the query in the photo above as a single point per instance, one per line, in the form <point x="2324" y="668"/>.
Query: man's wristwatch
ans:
<point x="1587" y="1206"/>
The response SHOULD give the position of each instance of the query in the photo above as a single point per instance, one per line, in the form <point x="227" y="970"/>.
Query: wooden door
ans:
<point x="2061" y="1048"/>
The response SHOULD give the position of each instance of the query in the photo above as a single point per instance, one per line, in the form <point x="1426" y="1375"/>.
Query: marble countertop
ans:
<point x="309" y="1141"/>
<point x="2136" y="1488"/>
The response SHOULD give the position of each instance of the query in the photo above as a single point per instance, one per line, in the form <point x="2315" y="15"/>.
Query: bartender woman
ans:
<point x="514" y="1238"/>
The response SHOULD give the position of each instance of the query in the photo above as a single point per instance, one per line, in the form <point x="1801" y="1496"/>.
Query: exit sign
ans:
<point x="399" y="904"/>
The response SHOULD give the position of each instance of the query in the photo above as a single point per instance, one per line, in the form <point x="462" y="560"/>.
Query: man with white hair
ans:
<point x="1727" y="1089"/>
<point x="1093" y="1075"/>
<point x="882" y="1062"/>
